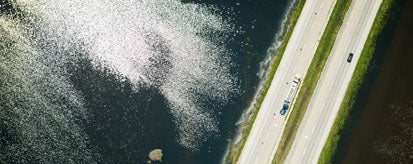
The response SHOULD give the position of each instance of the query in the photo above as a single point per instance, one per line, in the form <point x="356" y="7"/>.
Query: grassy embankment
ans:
<point x="235" y="150"/>
<point x="356" y="80"/>
<point x="310" y="81"/>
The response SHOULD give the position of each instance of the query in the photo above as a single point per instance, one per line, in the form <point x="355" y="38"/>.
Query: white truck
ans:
<point x="291" y="94"/>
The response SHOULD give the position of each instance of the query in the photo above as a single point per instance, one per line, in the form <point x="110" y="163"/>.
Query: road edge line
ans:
<point x="312" y="76"/>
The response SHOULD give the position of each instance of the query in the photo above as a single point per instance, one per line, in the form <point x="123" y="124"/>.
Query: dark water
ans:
<point x="380" y="126"/>
<point x="124" y="125"/>
<point x="261" y="20"/>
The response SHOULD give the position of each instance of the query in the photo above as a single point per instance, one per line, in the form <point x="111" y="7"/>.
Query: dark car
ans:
<point x="284" y="109"/>
<point x="350" y="57"/>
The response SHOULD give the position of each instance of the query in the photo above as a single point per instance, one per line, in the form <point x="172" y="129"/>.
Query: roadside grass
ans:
<point x="357" y="79"/>
<point x="311" y="79"/>
<point x="292" y="18"/>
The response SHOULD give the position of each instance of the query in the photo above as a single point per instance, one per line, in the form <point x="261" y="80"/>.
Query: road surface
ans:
<point x="267" y="129"/>
<point x="330" y="90"/>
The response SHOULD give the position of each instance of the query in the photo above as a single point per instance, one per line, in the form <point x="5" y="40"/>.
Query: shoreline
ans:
<point x="248" y="117"/>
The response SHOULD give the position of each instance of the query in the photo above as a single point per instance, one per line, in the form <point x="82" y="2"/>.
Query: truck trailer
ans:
<point x="291" y="94"/>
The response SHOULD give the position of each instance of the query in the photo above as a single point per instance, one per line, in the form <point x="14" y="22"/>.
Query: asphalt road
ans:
<point x="327" y="98"/>
<point x="266" y="132"/>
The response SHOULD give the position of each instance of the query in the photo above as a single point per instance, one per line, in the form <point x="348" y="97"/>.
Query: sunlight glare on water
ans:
<point x="176" y="48"/>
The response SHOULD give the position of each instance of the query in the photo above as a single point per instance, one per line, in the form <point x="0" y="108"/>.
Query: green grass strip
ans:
<point x="311" y="79"/>
<point x="236" y="149"/>
<point x="380" y="21"/>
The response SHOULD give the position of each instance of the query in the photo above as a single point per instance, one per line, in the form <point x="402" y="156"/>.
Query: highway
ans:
<point x="331" y="88"/>
<point x="268" y="127"/>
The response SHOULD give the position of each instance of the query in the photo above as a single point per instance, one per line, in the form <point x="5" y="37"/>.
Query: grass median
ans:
<point x="380" y="21"/>
<point x="311" y="79"/>
<point x="292" y="18"/>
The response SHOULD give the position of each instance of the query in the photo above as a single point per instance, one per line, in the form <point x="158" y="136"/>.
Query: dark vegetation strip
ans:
<point x="310" y="81"/>
<point x="236" y="149"/>
<point x="380" y="21"/>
